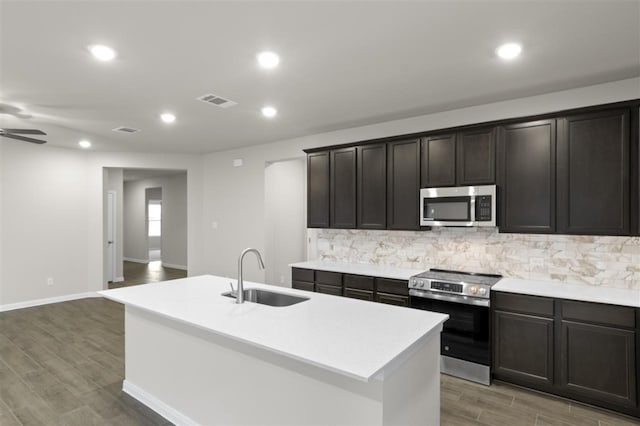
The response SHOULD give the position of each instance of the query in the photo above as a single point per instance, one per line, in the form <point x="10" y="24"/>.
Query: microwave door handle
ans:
<point x="472" y="206"/>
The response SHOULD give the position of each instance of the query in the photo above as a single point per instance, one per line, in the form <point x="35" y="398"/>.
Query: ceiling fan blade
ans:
<point x="25" y="131"/>
<point x="22" y="138"/>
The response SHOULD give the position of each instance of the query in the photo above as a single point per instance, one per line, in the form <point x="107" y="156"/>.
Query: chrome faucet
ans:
<point x="240" y="294"/>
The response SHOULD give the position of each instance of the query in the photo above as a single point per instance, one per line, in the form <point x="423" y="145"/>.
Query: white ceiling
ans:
<point x="343" y="64"/>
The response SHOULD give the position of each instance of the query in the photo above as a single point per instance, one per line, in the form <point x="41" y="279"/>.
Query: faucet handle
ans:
<point x="233" y="291"/>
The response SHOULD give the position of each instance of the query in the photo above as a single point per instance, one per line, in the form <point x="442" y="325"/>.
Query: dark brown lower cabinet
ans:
<point x="597" y="363"/>
<point x="329" y="289"/>
<point x="579" y="350"/>
<point x="302" y="285"/>
<point x="374" y="289"/>
<point x="302" y="279"/>
<point x="523" y="348"/>
<point x="392" y="299"/>
<point x="358" y="294"/>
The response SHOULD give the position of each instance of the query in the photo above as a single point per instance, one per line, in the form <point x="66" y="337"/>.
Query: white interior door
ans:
<point x="111" y="236"/>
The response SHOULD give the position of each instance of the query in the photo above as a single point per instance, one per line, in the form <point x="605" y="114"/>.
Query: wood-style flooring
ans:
<point x="63" y="364"/>
<point x="143" y="273"/>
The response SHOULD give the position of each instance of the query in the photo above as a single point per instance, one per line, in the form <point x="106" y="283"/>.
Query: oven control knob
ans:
<point x="473" y="290"/>
<point x="483" y="291"/>
<point x="421" y="284"/>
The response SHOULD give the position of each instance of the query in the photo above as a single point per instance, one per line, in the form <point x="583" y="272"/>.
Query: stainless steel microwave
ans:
<point x="458" y="206"/>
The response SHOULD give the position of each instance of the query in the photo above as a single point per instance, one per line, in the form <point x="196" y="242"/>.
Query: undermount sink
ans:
<point x="265" y="297"/>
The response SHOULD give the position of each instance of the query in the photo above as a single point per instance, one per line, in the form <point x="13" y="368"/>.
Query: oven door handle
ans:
<point x="456" y="299"/>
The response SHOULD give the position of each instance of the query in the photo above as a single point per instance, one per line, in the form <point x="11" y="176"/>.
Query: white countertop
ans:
<point x="585" y="293"/>
<point x="352" y="337"/>
<point x="359" y="269"/>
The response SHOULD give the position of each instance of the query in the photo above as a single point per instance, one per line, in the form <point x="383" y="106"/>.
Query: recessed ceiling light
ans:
<point x="509" y="50"/>
<point x="269" y="111"/>
<point x="101" y="52"/>
<point x="168" y="117"/>
<point x="84" y="144"/>
<point x="268" y="60"/>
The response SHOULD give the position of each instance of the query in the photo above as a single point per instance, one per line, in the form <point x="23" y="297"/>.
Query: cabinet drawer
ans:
<point x="329" y="289"/>
<point x="330" y="278"/>
<point x="299" y="274"/>
<point x="387" y="285"/>
<point x="523" y="303"/>
<point x="302" y="285"/>
<point x="358" y="294"/>
<point x="621" y="316"/>
<point x="392" y="299"/>
<point x="358" y="281"/>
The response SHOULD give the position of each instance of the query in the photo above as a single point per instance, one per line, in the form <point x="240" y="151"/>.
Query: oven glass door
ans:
<point x="447" y="209"/>
<point x="465" y="335"/>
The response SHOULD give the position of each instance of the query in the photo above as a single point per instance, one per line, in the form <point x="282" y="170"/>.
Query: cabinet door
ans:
<point x="372" y="186"/>
<point x="329" y="289"/>
<point x="318" y="190"/>
<point x="403" y="184"/>
<point x="526" y="166"/>
<point x="358" y="294"/>
<point x="597" y="364"/>
<point x="392" y="299"/>
<point x="438" y="155"/>
<point x="302" y="285"/>
<point x="593" y="174"/>
<point x="343" y="188"/>
<point x="523" y="349"/>
<point x="392" y="286"/>
<point x="476" y="157"/>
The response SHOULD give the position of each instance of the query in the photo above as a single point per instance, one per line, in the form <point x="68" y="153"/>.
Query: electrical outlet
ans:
<point x="49" y="281"/>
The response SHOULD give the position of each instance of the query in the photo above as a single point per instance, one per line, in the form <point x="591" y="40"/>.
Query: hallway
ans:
<point x="141" y="273"/>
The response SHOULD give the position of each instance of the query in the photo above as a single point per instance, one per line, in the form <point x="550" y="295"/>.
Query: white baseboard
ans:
<point x="131" y="259"/>
<point x="48" y="300"/>
<point x="174" y="266"/>
<point x="118" y="279"/>
<point x="165" y="410"/>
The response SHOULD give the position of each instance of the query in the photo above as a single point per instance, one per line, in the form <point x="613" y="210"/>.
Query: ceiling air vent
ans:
<point x="217" y="101"/>
<point x="126" y="130"/>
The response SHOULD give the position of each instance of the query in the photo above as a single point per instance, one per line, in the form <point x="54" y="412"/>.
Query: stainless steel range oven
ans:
<point x="464" y="296"/>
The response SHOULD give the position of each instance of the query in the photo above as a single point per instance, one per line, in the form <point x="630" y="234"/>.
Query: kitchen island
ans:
<point x="197" y="357"/>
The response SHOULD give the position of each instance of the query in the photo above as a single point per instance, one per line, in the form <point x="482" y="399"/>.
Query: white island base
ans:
<point x="192" y="376"/>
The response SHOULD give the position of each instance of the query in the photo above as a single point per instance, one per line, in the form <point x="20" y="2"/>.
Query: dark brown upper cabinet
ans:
<point x="372" y="186"/>
<point x="318" y="190"/>
<point x="476" y="157"/>
<point x="438" y="154"/>
<point x="343" y="188"/>
<point x="593" y="173"/>
<point x="526" y="177"/>
<point x="464" y="158"/>
<point x="403" y="184"/>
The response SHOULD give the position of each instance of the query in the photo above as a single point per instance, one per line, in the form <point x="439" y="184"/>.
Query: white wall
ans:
<point x="234" y="197"/>
<point x="174" y="219"/>
<point x="70" y="247"/>
<point x="113" y="182"/>
<point x="1" y="227"/>
<point x="44" y="221"/>
<point x="285" y="218"/>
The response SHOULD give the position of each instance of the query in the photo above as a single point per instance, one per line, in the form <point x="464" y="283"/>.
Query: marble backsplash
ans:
<point x="590" y="260"/>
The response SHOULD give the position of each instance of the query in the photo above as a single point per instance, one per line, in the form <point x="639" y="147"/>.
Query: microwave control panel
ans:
<point x="483" y="208"/>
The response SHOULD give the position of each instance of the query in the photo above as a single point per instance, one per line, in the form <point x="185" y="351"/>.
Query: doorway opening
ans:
<point x="285" y="218"/>
<point x="154" y="224"/>
<point x="149" y="226"/>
